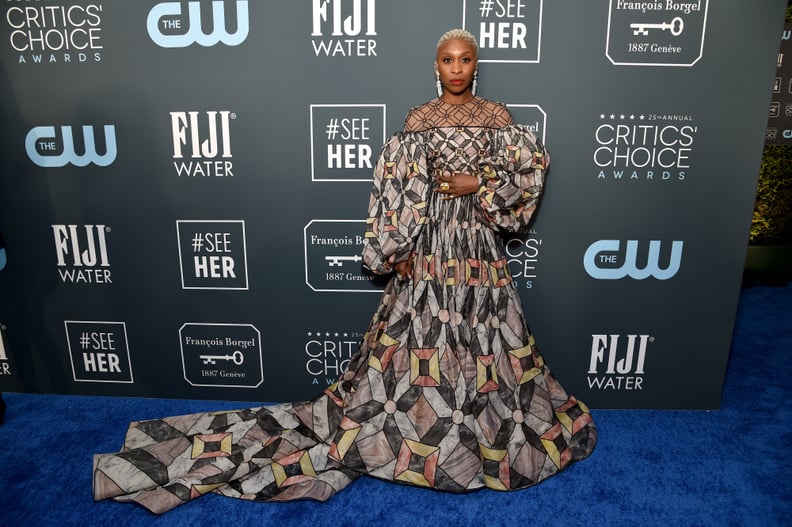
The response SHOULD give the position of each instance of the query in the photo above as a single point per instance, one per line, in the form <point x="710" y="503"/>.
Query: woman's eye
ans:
<point x="466" y="60"/>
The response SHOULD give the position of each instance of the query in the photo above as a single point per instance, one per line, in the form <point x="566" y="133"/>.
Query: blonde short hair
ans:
<point x="467" y="36"/>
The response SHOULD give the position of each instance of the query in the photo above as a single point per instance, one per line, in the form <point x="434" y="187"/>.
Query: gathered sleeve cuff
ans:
<point x="512" y="178"/>
<point x="398" y="203"/>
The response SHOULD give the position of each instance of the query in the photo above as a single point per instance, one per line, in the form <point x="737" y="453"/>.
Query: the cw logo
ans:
<point x="594" y="257"/>
<point x="167" y="15"/>
<point x="42" y="139"/>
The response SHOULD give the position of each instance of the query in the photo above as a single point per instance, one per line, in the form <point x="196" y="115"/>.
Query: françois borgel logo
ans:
<point x="531" y="116"/>
<point x="170" y="27"/>
<point x="656" y="33"/>
<point x="345" y="140"/>
<point x="332" y="257"/>
<point x="221" y="355"/>
<point x="507" y="31"/>
<point x="202" y="143"/>
<point x="213" y="254"/>
<point x="608" y="260"/>
<point x="81" y="251"/>
<point x="617" y="362"/>
<point x="647" y="147"/>
<point x="52" y="33"/>
<point x="99" y="351"/>
<point x="51" y="147"/>
<point x="344" y="28"/>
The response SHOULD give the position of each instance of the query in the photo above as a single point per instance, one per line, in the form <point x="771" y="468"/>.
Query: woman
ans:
<point x="448" y="390"/>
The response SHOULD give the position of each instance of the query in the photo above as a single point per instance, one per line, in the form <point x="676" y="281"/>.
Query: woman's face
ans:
<point x="456" y="61"/>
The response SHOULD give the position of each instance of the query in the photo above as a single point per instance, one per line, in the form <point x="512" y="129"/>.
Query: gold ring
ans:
<point x="444" y="186"/>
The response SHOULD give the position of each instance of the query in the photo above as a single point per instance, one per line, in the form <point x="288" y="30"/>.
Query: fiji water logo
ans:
<point x="168" y="27"/>
<point x="48" y="147"/>
<point x="604" y="260"/>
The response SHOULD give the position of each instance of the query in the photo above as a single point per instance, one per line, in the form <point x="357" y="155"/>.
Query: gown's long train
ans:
<point x="448" y="389"/>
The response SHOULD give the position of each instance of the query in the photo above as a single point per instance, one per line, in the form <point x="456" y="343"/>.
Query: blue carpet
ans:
<point x="659" y="468"/>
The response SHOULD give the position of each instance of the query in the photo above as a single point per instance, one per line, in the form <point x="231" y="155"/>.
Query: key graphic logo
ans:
<point x="221" y="355"/>
<point x="332" y="257"/>
<point x="49" y="148"/>
<point x="658" y="33"/>
<point x="168" y="27"/>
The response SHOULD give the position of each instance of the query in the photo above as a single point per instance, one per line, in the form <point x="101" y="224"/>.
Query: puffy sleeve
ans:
<point x="397" y="208"/>
<point x="512" y="178"/>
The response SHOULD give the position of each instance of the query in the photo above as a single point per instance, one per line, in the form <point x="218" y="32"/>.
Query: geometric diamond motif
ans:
<point x="486" y="374"/>
<point x="345" y="439"/>
<point x="499" y="272"/>
<point x="422" y="416"/>
<point x="573" y="415"/>
<point x="212" y="445"/>
<point x="417" y="463"/>
<point x="523" y="365"/>
<point x="475" y="273"/>
<point x="294" y="468"/>
<point x="557" y="449"/>
<point x="381" y="355"/>
<point x="424" y="367"/>
<point x="496" y="467"/>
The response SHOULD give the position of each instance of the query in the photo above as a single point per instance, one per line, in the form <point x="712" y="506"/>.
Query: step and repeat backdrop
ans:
<point x="184" y="186"/>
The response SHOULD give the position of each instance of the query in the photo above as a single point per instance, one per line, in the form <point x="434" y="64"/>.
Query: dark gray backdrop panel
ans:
<point x="281" y="303"/>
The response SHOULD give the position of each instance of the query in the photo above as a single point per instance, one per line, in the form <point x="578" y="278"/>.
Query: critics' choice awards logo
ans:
<point x="50" y="32"/>
<point x="612" y="260"/>
<point x="332" y="256"/>
<point x="344" y="28"/>
<point x="345" y="140"/>
<point x="170" y="27"/>
<point x="82" y="254"/>
<point x="221" y="355"/>
<point x="618" y="361"/>
<point x="643" y="147"/>
<point x="99" y="351"/>
<point x="327" y="354"/>
<point x="51" y="147"/>
<point x="506" y="30"/>
<point x="523" y="254"/>
<point x="202" y="143"/>
<point x="657" y="33"/>
<point x="213" y="254"/>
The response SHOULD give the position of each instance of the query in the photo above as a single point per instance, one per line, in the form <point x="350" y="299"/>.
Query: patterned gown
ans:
<point x="448" y="390"/>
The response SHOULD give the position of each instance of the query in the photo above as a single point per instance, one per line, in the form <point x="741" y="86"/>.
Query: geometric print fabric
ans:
<point x="448" y="389"/>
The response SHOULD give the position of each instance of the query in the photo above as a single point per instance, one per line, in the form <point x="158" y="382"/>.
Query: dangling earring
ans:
<point x="438" y="83"/>
<point x="475" y="82"/>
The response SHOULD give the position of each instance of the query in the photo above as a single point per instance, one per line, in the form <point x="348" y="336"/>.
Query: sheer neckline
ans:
<point x="456" y="104"/>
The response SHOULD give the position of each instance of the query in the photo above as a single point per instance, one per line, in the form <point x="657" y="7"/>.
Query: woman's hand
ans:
<point x="456" y="185"/>
<point x="404" y="268"/>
